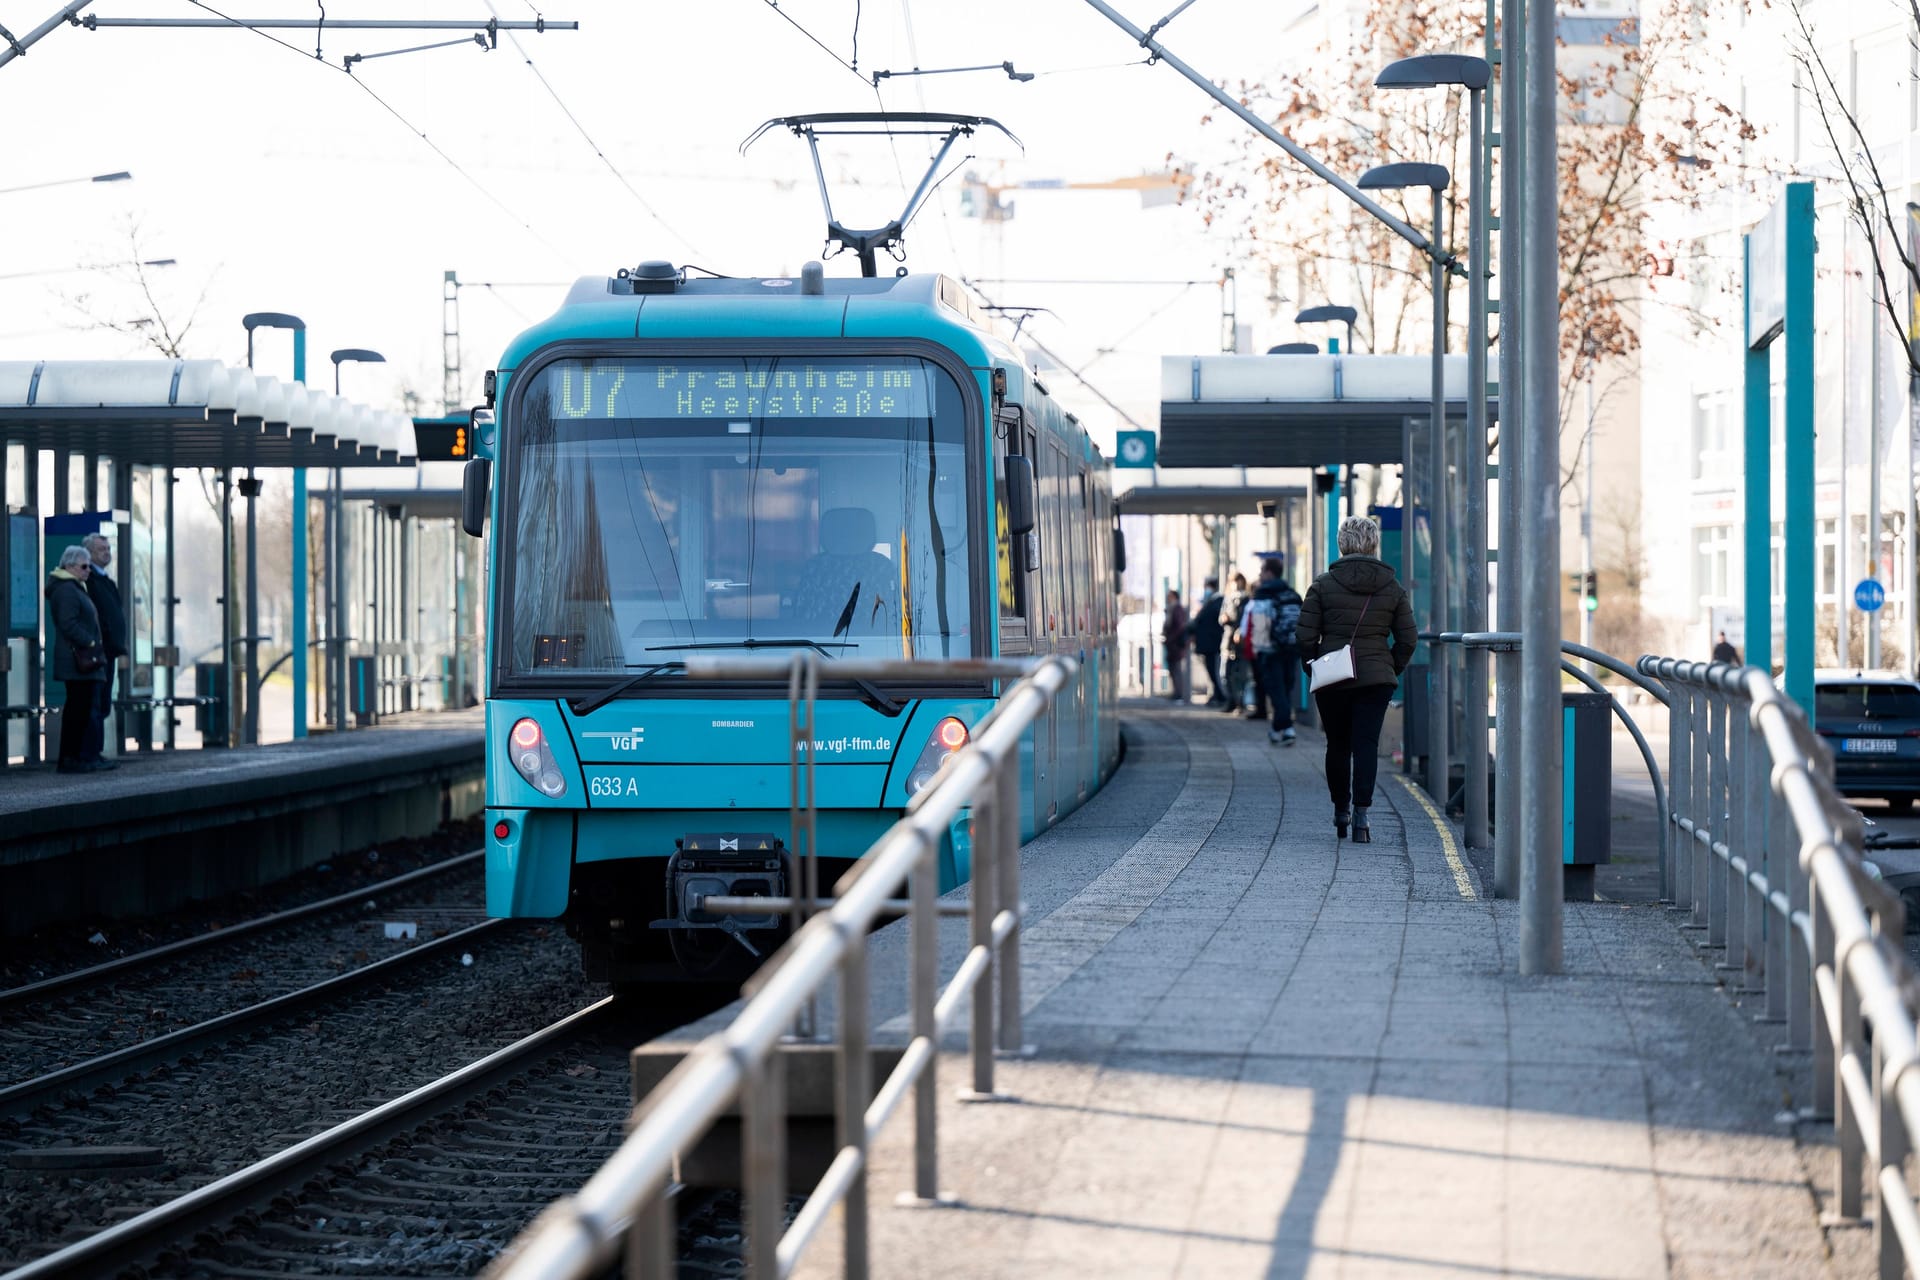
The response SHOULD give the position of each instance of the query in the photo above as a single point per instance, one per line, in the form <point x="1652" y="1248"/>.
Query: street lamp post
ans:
<point x="121" y="176"/>
<point x="277" y="320"/>
<point x="337" y="562"/>
<point x="1473" y="74"/>
<point x="1435" y="178"/>
<point x="1327" y="314"/>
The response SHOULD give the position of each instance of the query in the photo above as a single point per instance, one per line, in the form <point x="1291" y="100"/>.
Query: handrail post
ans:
<point x="1849" y="1141"/>
<point x="1716" y="816"/>
<point x="649" y="1253"/>
<point x="1803" y="996"/>
<point x="1782" y="956"/>
<point x="925" y="979"/>
<point x="763" y="1157"/>
<point x="1735" y="961"/>
<point x="1820" y="1018"/>
<point x="1893" y="1147"/>
<point x="1701" y="804"/>
<point x="1679" y="791"/>
<point x="854" y="1094"/>
<point x="983" y="896"/>
<point x="1006" y="820"/>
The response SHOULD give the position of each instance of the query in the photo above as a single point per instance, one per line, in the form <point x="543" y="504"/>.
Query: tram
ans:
<point x="673" y="466"/>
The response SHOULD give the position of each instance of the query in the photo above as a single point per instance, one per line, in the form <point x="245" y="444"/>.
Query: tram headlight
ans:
<point x="947" y="738"/>
<point x="533" y="759"/>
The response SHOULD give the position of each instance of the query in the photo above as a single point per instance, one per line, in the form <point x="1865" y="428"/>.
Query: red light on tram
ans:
<point x="952" y="734"/>
<point x="501" y="831"/>
<point x="526" y="734"/>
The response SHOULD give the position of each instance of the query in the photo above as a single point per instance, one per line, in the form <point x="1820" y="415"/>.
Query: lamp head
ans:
<point x="1432" y="70"/>
<point x="271" y="320"/>
<point x="1407" y="173"/>
<point x="1294" y="349"/>
<point x="1327" y="314"/>
<point x="360" y="354"/>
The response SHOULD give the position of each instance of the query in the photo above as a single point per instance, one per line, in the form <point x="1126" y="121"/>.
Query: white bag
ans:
<point x="1337" y="666"/>
<point x="1332" y="668"/>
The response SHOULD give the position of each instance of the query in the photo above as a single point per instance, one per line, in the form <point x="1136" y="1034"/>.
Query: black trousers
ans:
<point x="76" y="721"/>
<point x="1216" y="692"/>
<point x="1279" y="673"/>
<point x="1351" y="718"/>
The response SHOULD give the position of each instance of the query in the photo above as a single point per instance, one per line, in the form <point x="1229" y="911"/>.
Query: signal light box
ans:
<point x="443" y="439"/>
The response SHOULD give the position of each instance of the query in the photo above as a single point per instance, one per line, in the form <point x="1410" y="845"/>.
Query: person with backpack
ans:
<point x="1359" y="609"/>
<point x="1272" y="620"/>
<point x="1239" y="671"/>
<point x="1206" y="632"/>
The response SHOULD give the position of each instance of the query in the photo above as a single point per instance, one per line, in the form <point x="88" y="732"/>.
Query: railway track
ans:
<point x="66" y="1019"/>
<point x="434" y="1182"/>
<point x="107" y="1139"/>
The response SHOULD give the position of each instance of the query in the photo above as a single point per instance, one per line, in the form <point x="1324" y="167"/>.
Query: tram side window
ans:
<point x="1014" y="583"/>
<point x="1083" y="575"/>
<point x="1052" y="549"/>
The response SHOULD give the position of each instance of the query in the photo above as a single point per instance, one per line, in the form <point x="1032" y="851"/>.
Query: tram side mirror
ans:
<point x="474" y="484"/>
<point x="1119" y="551"/>
<point x="1019" y="495"/>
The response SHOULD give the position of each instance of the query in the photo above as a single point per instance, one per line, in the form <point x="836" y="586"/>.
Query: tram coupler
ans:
<point x="724" y="865"/>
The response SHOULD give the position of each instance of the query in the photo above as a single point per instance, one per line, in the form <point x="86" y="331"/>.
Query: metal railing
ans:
<point x="626" y="1204"/>
<point x="1508" y="642"/>
<point x="1768" y="860"/>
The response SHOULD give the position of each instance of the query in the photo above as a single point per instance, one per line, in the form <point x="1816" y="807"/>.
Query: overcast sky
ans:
<point x="278" y="184"/>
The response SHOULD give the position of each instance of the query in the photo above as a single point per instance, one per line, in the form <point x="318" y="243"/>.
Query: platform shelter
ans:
<point x="122" y="448"/>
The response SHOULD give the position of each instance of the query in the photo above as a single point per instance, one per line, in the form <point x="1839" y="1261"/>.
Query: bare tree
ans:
<point x="1638" y="127"/>
<point x="161" y="324"/>
<point x="1869" y="204"/>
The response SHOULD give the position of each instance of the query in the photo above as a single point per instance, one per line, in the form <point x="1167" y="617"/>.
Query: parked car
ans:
<point x="1871" y="719"/>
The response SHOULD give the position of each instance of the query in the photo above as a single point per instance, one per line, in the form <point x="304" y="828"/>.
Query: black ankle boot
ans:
<point x="1362" y="832"/>
<point x="1340" y="824"/>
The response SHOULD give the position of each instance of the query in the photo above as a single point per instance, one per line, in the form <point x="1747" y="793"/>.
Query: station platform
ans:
<point x="169" y="826"/>
<point x="1261" y="1052"/>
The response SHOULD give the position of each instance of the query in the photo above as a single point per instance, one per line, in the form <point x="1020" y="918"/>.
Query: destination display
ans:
<point x="787" y="387"/>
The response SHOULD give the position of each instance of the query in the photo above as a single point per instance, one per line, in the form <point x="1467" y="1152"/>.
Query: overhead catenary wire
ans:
<point x="567" y="111"/>
<point x="395" y="112"/>
<point x="1066" y="368"/>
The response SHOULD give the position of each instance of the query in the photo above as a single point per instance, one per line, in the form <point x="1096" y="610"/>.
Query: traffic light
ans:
<point x="1590" y="592"/>
<point x="443" y="439"/>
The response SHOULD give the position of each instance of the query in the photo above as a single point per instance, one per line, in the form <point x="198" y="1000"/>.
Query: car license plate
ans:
<point x="1869" y="746"/>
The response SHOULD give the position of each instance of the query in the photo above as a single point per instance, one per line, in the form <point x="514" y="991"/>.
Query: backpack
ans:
<point x="1258" y="624"/>
<point x="1286" y="618"/>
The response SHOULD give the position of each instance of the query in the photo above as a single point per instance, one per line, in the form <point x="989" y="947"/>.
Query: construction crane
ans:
<point x="981" y="199"/>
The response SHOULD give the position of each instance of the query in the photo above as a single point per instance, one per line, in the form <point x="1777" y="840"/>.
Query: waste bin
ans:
<point x="210" y="718"/>
<point x="363" y="691"/>
<point x="1586" y="812"/>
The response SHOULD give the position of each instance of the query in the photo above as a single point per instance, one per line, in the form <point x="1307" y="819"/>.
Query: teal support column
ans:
<point x="300" y="561"/>
<point x="1333" y="517"/>
<point x="1798" y="541"/>
<point x="1757" y="585"/>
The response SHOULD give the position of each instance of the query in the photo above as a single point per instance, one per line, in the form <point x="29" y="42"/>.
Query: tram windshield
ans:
<point x="659" y="505"/>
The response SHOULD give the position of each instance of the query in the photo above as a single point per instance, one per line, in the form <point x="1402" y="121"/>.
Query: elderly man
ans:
<point x="105" y="595"/>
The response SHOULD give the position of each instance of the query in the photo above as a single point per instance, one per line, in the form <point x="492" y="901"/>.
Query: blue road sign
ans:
<point x="1869" y="595"/>
<point x="1135" y="449"/>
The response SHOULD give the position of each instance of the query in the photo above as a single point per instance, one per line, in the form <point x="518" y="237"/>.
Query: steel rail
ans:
<point x="1772" y="866"/>
<point x="138" y="1238"/>
<point x="109" y="1067"/>
<point x="94" y="973"/>
<point x="581" y="1235"/>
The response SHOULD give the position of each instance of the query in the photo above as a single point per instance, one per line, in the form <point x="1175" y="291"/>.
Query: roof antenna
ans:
<point x="874" y="124"/>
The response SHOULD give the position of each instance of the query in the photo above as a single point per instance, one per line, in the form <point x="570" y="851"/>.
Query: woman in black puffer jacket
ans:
<point x="1357" y="601"/>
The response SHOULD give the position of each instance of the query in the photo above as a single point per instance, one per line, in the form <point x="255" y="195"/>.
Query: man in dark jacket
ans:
<point x="1272" y="624"/>
<point x="1173" y="633"/>
<point x="1357" y="602"/>
<point x="74" y="655"/>
<point x="105" y="594"/>
<point x="1207" y="632"/>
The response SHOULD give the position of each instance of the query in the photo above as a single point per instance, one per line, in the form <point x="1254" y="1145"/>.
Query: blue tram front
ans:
<point x="684" y="467"/>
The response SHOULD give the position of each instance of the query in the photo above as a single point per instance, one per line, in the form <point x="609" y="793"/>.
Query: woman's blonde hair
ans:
<point x="1359" y="536"/>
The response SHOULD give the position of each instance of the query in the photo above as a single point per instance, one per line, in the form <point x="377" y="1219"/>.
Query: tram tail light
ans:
<point x="533" y="759"/>
<point x="947" y="737"/>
